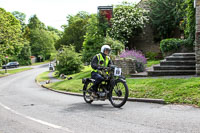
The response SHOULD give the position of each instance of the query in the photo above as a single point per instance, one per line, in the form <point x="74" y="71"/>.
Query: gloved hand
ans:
<point x="100" y="68"/>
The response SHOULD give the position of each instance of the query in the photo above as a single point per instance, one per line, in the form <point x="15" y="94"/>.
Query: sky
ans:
<point x="53" y="12"/>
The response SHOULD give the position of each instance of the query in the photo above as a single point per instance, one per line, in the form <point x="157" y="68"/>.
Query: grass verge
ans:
<point x="9" y="72"/>
<point x="152" y="62"/>
<point x="172" y="90"/>
<point x="43" y="76"/>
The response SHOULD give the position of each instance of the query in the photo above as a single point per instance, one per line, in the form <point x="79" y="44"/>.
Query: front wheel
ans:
<point x="119" y="94"/>
<point x="86" y="92"/>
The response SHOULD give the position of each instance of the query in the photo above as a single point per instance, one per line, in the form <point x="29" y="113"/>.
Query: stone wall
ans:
<point x="128" y="65"/>
<point x="197" y="37"/>
<point x="145" y="41"/>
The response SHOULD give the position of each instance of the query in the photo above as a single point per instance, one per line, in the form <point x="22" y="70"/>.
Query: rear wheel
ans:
<point x="119" y="94"/>
<point x="87" y="92"/>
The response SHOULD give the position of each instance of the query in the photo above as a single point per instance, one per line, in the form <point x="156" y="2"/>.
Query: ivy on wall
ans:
<point x="190" y="19"/>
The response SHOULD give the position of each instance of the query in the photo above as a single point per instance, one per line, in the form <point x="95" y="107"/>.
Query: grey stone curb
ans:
<point x="147" y="100"/>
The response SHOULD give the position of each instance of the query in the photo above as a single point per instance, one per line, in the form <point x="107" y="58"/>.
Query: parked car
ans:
<point x="11" y="65"/>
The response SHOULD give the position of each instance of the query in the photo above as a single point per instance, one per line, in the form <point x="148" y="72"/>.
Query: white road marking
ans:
<point x="36" y="120"/>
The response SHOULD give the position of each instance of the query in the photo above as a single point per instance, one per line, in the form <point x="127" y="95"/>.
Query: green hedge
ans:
<point x="173" y="44"/>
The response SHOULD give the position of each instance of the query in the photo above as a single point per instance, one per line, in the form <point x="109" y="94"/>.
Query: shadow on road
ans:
<point x="81" y="107"/>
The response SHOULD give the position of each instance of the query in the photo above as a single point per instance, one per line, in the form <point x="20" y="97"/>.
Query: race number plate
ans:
<point x="118" y="71"/>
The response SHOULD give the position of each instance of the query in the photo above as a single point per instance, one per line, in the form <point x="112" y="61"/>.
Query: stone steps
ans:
<point x="176" y="64"/>
<point x="183" y="58"/>
<point x="183" y="54"/>
<point x="171" y="72"/>
<point x="174" y="67"/>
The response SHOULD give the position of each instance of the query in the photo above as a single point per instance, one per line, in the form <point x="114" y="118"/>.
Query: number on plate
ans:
<point x="118" y="71"/>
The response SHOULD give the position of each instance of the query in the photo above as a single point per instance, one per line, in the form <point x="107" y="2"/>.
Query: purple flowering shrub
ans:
<point x="138" y="56"/>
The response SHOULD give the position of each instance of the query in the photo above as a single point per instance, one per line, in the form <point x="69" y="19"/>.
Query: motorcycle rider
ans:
<point x="99" y="62"/>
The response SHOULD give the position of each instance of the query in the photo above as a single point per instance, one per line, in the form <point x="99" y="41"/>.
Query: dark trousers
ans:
<point x="98" y="79"/>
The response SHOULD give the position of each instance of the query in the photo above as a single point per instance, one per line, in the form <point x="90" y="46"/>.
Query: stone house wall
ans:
<point x="145" y="41"/>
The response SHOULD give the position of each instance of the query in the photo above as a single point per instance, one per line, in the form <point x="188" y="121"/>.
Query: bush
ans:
<point x="136" y="55"/>
<point x="24" y="62"/>
<point x="173" y="44"/>
<point x="69" y="61"/>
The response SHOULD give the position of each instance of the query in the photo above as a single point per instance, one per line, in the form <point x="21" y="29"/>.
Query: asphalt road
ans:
<point x="27" y="108"/>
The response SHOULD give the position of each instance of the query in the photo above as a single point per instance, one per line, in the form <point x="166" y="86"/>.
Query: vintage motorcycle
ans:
<point x="113" y="87"/>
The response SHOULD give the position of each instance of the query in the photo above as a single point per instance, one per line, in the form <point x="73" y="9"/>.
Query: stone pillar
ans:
<point x="197" y="37"/>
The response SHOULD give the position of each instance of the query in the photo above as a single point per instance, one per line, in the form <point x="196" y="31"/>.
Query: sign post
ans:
<point x="105" y="14"/>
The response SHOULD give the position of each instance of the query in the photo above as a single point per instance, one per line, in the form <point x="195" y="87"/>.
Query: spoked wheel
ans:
<point x="87" y="92"/>
<point x="119" y="94"/>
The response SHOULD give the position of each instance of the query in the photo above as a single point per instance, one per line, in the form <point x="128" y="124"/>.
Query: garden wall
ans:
<point x="128" y="65"/>
<point x="145" y="41"/>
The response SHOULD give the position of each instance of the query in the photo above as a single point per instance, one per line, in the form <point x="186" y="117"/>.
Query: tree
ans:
<point x="128" y="22"/>
<point x="55" y="34"/>
<point x="34" y="23"/>
<point x="93" y="40"/>
<point x="21" y="17"/>
<point x="75" y="30"/>
<point x="186" y="13"/>
<point x="25" y="54"/>
<point x="11" y="42"/>
<point x="42" y="44"/>
<point x="54" y="30"/>
<point x="165" y="16"/>
<point x="41" y="40"/>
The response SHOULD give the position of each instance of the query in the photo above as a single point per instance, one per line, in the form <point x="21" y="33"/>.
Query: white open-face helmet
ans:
<point x="105" y="47"/>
